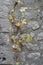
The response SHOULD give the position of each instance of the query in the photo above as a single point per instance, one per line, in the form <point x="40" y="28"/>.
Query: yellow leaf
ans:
<point x="24" y="21"/>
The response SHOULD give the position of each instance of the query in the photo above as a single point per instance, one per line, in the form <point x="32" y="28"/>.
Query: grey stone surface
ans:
<point x="32" y="53"/>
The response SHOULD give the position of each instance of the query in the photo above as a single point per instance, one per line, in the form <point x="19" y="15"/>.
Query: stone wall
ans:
<point x="34" y="14"/>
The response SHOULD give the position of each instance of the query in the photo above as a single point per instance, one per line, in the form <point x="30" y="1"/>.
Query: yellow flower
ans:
<point x="15" y="47"/>
<point x="11" y="18"/>
<point x="20" y="41"/>
<point x="12" y="38"/>
<point x="17" y="25"/>
<point x="12" y="11"/>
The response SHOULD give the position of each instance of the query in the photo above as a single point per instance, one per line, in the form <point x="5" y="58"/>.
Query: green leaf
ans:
<point x="28" y="38"/>
<point x="17" y="63"/>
